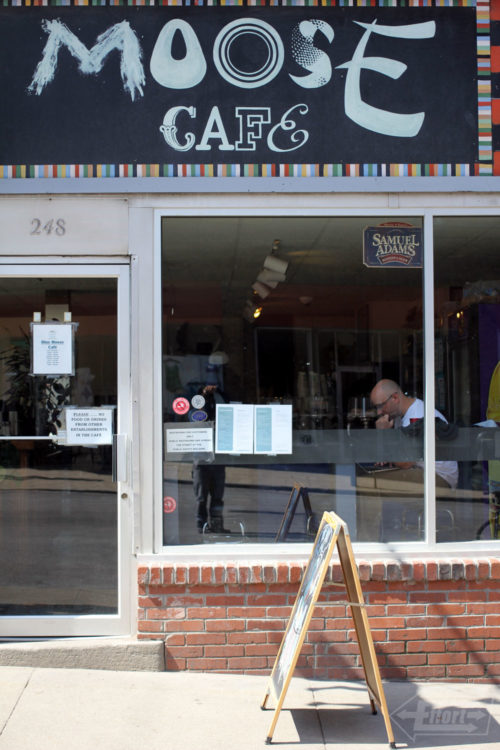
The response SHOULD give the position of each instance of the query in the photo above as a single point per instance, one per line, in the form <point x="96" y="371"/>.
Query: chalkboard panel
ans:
<point x="238" y="85"/>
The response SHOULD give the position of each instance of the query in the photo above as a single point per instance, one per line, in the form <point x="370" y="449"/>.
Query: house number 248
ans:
<point x="52" y="226"/>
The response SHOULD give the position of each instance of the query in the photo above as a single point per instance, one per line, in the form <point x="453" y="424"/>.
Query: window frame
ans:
<point x="369" y="206"/>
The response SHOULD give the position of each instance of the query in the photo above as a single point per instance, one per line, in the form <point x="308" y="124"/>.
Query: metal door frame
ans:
<point x="24" y="626"/>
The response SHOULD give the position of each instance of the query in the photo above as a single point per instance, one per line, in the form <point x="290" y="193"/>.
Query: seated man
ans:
<point x="396" y="410"/>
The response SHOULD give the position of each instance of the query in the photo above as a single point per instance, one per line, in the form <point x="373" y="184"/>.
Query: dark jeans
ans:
<point x="208" y="483"/>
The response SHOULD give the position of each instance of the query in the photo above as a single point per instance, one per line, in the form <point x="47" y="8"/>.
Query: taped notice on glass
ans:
<point x="52" y="348"/>
<point x="190" y="440"/>
<point x="273" y="429"/>
<point x="234" y="428"/>
<point x="89" y="426"/>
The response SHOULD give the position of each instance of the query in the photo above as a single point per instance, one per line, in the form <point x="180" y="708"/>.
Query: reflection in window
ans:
<point x="467" y="356"/>
<point x="328" y="328"/>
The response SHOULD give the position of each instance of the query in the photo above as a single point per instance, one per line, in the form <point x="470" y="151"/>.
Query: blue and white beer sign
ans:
<point x="393" y="246"/>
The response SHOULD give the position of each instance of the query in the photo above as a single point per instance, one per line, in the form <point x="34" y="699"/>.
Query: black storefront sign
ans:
<point x="238" y="85"/>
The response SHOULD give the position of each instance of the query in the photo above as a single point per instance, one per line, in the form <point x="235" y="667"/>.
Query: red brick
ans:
<point x="169" y="613"/>
<point x="224" y="625"/>
<point x="266" y="625"/>
<point x="146" y="626"/>
<point x="193" y="639"/>
<point x="492" y="619"/>
<point x="175" y="664"/>
<point x="278" y="612"/>
<point x="206" y="574"/>
<point x="225" y="651"/>
<point x="465" y="621"/>
<point x="143" y="575"/>
<point x="425" y="597"/>
<point x="244" y="574"/>
<point x="490" y="632"/>
<point x="426" y="672"/>
<point x="471" y="670"/>
<point x="154" y="575"/>
<point x="425" y="646"/>
<point x="219" y="573"/>
<point x="466" y="644"/>
<point x="409" y="634"/>
<point x="394" y="647"/>
<point x="255" y="662"/>
<point x="447" y="658"/>
<point x="319" y="636"/>
<point x="443" y="634"/>
<point x="267" y="600"/>
<point x="403" y="609"/>
<point x="167" y="574"/>
<point x="424" y="622"/>
<point x="206" y="665"/>
<point x="483" y="608"/>
<point x="221" y="600"/>
<point x="406" y="659"/>
<point x="296" y="571"/>
<point x="243" y="637"/>
<point x="175" y="639"/>
<point x="446" y="609"/>
<point x="467" y="596"/>
<point x="150" y="601"/>
<point x="492" y="644"/>
<point x="266" y="649"/>
<point x="184" y="625"/>
<point x="194" y="613"/>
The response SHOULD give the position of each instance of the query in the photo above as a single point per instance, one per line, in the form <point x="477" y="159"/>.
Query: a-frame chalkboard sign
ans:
<point x="332" y="531"/>
<point x="298" y="492"/>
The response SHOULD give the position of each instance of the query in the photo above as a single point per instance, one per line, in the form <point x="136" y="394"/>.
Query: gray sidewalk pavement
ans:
<point x="80" y="709"/>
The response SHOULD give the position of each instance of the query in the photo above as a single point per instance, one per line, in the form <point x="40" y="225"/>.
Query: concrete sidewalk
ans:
<point x="78" y="709"/>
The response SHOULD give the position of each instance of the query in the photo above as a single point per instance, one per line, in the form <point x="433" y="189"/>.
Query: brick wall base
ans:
<point x="429" y="620"/>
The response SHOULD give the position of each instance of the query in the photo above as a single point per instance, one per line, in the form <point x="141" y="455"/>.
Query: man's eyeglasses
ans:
<point x="383" y="403"/>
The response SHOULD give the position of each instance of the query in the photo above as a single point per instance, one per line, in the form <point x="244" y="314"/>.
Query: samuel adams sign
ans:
<point x="242" y="90"/>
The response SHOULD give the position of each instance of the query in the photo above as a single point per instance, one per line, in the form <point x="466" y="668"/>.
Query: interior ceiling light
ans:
<point x="272" y="262"/>
<point x="271" y="278"/>
<point x="257" y="312"/>
<point x="261" y="289"/>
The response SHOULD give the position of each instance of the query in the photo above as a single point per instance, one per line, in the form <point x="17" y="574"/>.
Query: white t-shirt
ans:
<point x="446" y="469"/>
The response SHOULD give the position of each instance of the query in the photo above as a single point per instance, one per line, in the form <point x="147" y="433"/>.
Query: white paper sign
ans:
<point x="52" y="349"/>
<point x="273" y="429"/>
<point x="89" y="426"/>
<point x="234" y="428"/>
<point x="190" y="440"/>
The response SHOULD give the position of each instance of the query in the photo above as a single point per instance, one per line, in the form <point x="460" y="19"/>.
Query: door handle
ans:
<point x="120" y="462"/>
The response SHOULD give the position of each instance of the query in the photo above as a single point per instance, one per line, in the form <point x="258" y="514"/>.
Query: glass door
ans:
<point x="64" y="437"/>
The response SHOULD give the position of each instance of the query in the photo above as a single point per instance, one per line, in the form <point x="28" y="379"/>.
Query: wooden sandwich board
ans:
<point x="298" y="492"/>
<point x="332" y="531"/>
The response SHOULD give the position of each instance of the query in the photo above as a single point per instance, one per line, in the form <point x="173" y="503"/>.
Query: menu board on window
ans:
<point x="234" y="428"/>
<point x="273" y="429"/>
<point x="52" y="349"/>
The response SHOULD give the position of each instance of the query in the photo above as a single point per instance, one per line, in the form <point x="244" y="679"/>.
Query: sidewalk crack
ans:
<point x="318" y="713"/>
<point x="21" y="692"/>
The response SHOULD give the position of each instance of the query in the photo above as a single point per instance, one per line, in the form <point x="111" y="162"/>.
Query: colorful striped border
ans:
<point x="487" y="106"/>
<point x="242" y="3"/>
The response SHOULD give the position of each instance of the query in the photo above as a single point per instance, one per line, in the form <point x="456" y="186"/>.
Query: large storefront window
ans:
<point x="331" y="325"/>
<point x="467" y="362"/>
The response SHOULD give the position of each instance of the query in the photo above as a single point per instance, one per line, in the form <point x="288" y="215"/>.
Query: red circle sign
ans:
<point x="181" y="405"/>
<point x="169" y="505"/>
